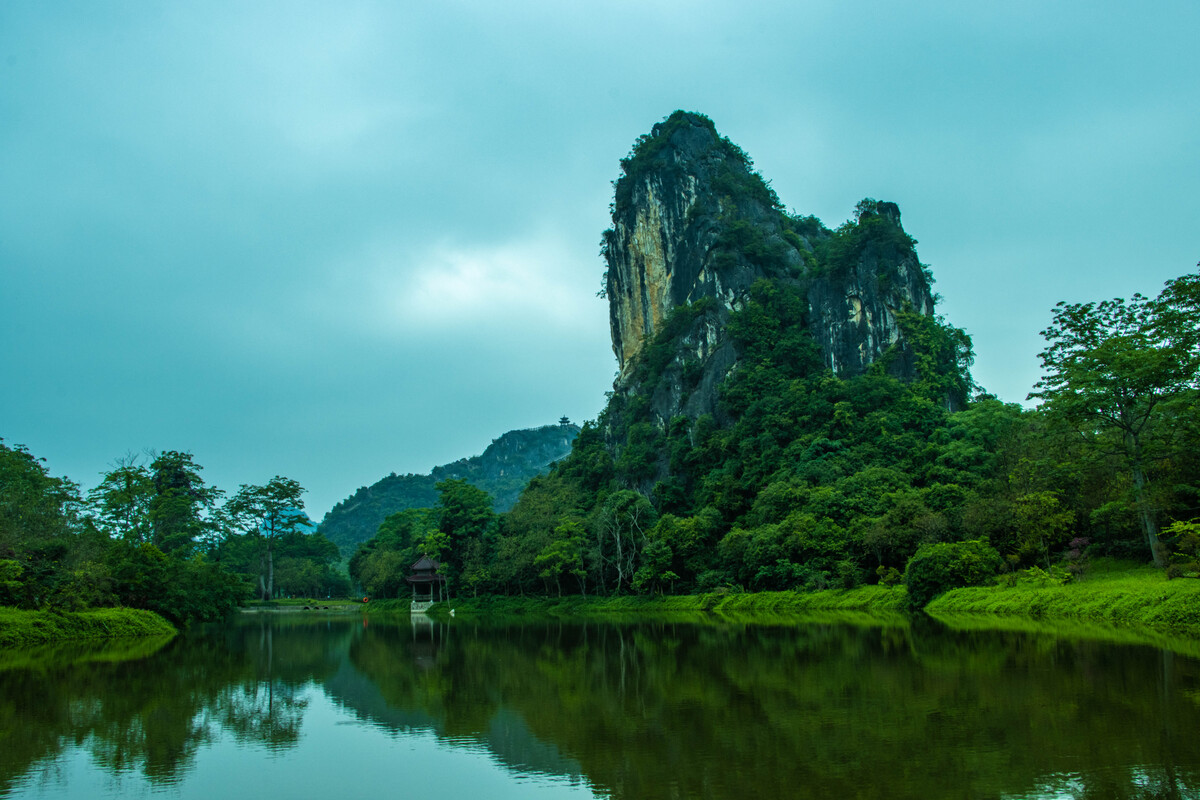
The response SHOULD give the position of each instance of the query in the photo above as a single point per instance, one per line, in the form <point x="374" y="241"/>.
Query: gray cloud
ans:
<point x="336" y="240"/>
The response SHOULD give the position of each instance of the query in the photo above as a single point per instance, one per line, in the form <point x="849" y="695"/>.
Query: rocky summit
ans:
<point x="693" y="225"/>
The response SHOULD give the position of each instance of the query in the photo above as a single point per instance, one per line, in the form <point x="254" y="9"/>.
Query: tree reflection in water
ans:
<point x="705" y="708"/>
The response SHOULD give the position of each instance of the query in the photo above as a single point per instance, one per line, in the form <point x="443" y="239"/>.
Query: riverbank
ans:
<point x="291" y="605"/>
<point x="869" y="599"/>
<point x="1120" y="595"/>
<point x="24" y="628"/>
<point x="1117" y="595"/>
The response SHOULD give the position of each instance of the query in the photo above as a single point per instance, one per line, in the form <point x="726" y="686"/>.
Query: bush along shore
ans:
<point x="23" y="627"/>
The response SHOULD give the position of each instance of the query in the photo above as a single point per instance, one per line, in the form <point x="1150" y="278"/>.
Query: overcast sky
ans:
<point x="335" y="240"/>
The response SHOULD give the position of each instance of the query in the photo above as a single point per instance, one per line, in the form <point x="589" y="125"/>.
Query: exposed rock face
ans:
<point x="667" y="223"/>
<point x="691" y="220"/>
<point x="853" y="316"/>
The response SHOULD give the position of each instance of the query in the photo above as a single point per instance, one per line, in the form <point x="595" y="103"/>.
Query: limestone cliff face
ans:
<point x="670" y="219"/>
<point x="852" y="314"/>
<point x="692" y="220"/>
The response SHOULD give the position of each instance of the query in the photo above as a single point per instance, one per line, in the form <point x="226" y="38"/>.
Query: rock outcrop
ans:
<point x="693" y="222"/>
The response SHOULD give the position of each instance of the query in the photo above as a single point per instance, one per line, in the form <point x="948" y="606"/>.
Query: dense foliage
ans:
<point x="153" y="536"/>
<point x="1126" y="376"/>
<point x="807" y="481"/>
<point x="458" y="533"/>
<point x="938" y="566"/>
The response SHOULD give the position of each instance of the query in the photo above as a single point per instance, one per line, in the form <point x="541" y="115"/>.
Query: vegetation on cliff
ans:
<point x="801" y="477"/>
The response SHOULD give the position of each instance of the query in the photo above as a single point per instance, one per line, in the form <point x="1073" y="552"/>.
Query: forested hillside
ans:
<point x="791" y="413"/>
<point x="502" y="470"/>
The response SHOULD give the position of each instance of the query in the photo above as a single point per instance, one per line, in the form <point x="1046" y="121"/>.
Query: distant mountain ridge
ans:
<point x="502" y="470"/>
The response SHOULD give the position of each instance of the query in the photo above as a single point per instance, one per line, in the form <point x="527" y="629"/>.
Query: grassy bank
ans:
<point x="299" y="604"/>
<point x="872" y="599"/>
<point x="1117" y="601"/>
<point x="1112" y="594"/>
<point x="22" y="628"/>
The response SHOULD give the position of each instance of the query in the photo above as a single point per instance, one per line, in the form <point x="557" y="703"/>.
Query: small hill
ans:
<point x="503" y="471"/>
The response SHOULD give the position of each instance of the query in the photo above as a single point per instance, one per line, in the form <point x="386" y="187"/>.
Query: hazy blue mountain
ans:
<point x="502" y="470"/>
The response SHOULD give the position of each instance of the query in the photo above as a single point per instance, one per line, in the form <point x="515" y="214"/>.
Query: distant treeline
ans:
<point x="154" y="536"/>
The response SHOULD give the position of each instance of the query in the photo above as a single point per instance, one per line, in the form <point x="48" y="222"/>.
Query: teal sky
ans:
<point x="336" y="240"/>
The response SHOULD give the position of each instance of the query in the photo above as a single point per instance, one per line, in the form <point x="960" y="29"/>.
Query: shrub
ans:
<point x="936" y="568"/>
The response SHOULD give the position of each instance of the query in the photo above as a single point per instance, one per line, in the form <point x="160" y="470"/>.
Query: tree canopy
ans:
<point x="1121" y="372"/>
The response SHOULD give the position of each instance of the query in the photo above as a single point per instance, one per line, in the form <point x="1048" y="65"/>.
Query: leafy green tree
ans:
<point x="469" y="524"/>
<point x="305" y="566"/>
<point x="380" y="565"/>
<point x="563" y="556"/>
<point x="623" y="525"/>
<point x="383" y="574"/>
<point x="10" y="582"/>
<point x="655" y="571"/>
<point x="182" y="590"/>
<point x="181" y="506"/>
<point x="39" y="525"/>
<point x="1044" y="524"/>
<point x="267" y="513"/>
<point x="528" y="529"/>
<point x="120" y="504"/>
<point x="1116" y="369"/>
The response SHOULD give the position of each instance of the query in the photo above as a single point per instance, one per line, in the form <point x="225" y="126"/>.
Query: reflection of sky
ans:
<point x="337" y="756"/>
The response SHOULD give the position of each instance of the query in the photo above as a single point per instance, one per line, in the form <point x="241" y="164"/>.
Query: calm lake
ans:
<point x="305" y="705"/>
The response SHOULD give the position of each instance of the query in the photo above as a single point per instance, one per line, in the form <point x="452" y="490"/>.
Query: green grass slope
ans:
<point x="23" y="628"/>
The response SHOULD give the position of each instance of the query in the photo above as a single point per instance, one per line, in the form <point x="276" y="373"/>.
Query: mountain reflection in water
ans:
<point x="700" y="708"/>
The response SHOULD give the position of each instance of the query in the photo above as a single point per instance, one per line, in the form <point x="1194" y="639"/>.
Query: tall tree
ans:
<point x="181" y="507"/>
<point x="120" y="505"/>
<point x="621" y="533"/>
<point x="38" y="527"/>
<point x="466" y="517"/>
<point x="268" y="513"/>
<point x="1117" y="369"/>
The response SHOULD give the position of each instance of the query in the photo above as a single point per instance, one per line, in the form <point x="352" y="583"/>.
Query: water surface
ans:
<point x="303" y="705"/>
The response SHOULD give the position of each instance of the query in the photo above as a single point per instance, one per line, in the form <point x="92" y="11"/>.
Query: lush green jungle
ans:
<point x="799" y="480"/>
<point x="802" y="480"/>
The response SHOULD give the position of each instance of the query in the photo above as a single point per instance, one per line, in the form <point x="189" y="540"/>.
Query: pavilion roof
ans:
<point x="425" y="564"/>
<point x="425" y="571"/>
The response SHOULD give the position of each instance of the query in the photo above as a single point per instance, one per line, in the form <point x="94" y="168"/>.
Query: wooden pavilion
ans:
<point x="425" y="579"/>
